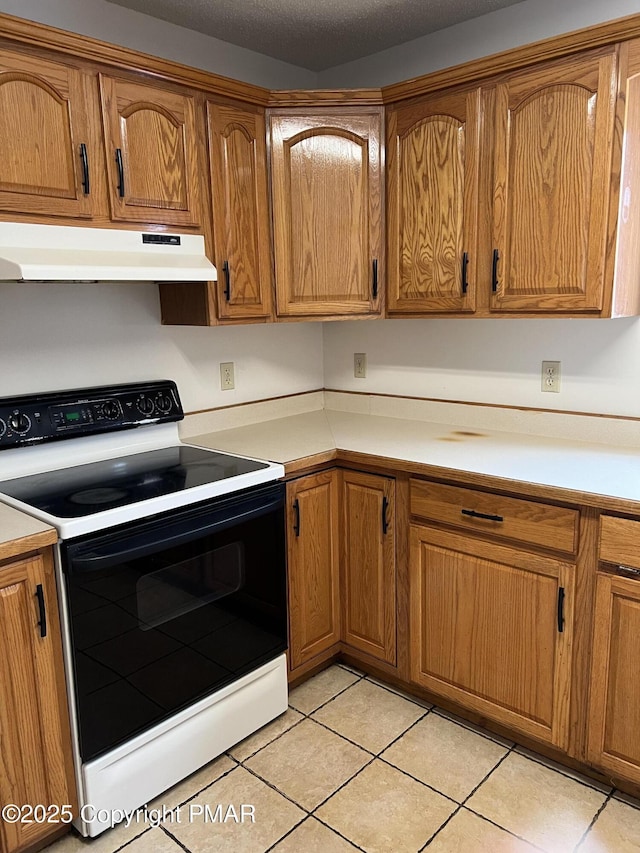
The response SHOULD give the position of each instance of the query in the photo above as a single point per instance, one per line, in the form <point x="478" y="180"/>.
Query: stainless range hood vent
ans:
<point x="60" y="253"/>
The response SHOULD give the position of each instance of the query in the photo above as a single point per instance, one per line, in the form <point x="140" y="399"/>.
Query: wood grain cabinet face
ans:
<point x="552" y="178"/>
<point x="614" y="710"/>
<point x="35" y="760"/>
<point x="485" y="632"/>
<point x="368" y="564"/>
<point x="432" y="204"/>
<point x="238" y="160"/>
<point x="327" y="212"/>
<point x="313" y="565"/>
<point x="152" y="158"/>
<point x="46" y="155"/>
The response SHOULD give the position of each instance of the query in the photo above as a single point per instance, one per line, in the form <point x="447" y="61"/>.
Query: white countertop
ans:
<point x="20" y="532"/>
<point x="598" y="469"/>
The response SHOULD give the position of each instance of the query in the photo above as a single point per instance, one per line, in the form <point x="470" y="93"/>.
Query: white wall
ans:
<point x="492" y="361"/>
<point x="112" y="23"/>
<point x="66" y="336"/>
<point x="529" y="21"/>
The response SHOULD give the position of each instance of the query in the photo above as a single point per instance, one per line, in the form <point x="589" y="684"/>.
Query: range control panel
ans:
<point x="36" y="418"/>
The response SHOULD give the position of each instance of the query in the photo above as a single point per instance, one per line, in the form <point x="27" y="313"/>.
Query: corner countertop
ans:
<point x="577" y="466"/>
<point x="20" y="533"/>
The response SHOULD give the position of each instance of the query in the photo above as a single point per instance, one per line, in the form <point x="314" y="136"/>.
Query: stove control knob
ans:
<point x="3" y="427"/>
<point x="164" y="403"/>
<point x="19" y="423"/>
<point x="145" y="405"/>
<point x="111" y="410"/>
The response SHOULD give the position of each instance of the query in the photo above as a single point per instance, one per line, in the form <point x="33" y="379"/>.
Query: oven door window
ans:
<point x="154" y="629"/>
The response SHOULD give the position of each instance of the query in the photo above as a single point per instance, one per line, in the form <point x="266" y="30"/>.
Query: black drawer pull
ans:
<point x="561" y="610"/>
<point x="375" y="278"/>
<point x="473" y="514"/>
<point x="494" y="271"/>
<point x="85" y="168"/>
<point x="120" y="172"/>
<point x="385" y="520"/>
<point x="465" y="264"/>
<point x="227" y="280"/>
<point x="42" y="611"/>
<point x="296" y="523"/>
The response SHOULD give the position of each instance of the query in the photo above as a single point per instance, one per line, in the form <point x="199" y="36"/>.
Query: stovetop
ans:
<point x="94" y="487"/>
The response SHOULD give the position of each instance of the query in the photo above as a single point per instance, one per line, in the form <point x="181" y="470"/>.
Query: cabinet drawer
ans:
<point x="619" y="541"/>
<point x="509" y="518"/>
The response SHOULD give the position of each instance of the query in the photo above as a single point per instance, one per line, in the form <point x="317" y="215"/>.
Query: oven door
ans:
<point x="165" y="611"/>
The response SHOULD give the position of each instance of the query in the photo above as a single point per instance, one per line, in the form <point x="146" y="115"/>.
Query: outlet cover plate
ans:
<point x="551" y="376"/>
<point x="227" y="378"/>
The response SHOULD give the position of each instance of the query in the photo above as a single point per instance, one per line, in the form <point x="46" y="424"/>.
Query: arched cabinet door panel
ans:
<point x="327" y="213"/>
<point x="238" y="160"/>
<point x="432" y="203"/>
<point x="46" y="154"/>
<point x="551" y="186"/>
<point x="152" y="160"/>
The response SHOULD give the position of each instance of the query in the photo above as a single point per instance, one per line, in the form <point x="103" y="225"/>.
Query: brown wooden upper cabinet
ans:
<point x="238" y="161"/>
<point x="552" y="179"/>
<point x="432" y="203"/>
<point x="327" y="211"/>
<point x="45" y="144"/>
<point x="152" y="154"/>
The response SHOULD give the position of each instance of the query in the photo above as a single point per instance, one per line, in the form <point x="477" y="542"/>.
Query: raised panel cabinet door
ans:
<point x="432" y="204"/>
<point x="327" y="215"/>
<point x="551" y="187"/>
<point x="491" y="628"/>
<point x="368" y="564"/>
<point x="152" y="160"/>
<point x="45" y="146"/>
<point x="35" y="759"/>
<point x="313" y="566"/>
<point x="614" y="709"/>
<point x="238" y="159"/>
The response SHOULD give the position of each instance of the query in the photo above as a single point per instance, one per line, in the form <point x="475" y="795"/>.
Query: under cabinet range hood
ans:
<point x="60" y="253"/>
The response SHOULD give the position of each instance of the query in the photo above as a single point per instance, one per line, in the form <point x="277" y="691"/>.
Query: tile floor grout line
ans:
<point x="122" y="846"/>
<point x="470" y="727"/>
<point x="504" y="829"/>
<point x="534" y="757"/>
<point x="288" y="833"/>
<point x="264" y="746"/>
<point x="275" y="788"/>
<point x="313" y="811"/>
<point x="331" y="699"/>
<point x="208" y="785"/>
<point x="173" y="838"/>
<point x="420" y="781"/>
<point x="397" y="692"/>
<point x="337" y="832"/>
<point x="635" y="804"/>
<point x="585" y="834"/>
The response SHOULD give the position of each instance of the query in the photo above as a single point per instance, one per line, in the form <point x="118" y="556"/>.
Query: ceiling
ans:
<point x="315" y="34"/>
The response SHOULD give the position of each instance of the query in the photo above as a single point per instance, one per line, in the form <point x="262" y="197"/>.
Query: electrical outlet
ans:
<point x="227" y="381"/>
<point x="551" y="376"/>
<point x="360" y="365"/>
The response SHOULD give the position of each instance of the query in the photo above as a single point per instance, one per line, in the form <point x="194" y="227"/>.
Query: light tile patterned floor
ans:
<point x="354" y="765"/>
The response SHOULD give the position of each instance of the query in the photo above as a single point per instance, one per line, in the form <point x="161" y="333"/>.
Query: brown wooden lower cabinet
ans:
<point x="35" y="755"/>
<point x="368" y="564"/>
<point x="614" y="712"/>
<point x="491" y="629"/>
<point x="313" y="567"/>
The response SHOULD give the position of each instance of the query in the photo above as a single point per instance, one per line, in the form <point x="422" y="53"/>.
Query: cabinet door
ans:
<point x="34" y="729"/>
<point x="326" y="194"/>
<point x="45" y="147"/>
<point x="432" y="204"/>
<point x="238" y="158"/>
<point x="152" y="161"/>
<point x="614" y="710"/>
<point x="312" y="535"/>
<point x="491" y="628"/>
<point x="368" y="564"/>
<point x="552" y="179"/>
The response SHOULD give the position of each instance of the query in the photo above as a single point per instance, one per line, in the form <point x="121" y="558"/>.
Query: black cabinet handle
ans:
<point x="385" y="520"/>
<point x="85" y="168"/>
<point x="473" y="514"/>
<point x="375" y="278"/>
<point x="494" y="271"/>
<point x="120" y="172"/>
<point x="296" y="524"/>
<point x="42" y="611"/>
<point x="465" y="264"/>
<point x="561" y="610"/>
<point x="227" y="280"/>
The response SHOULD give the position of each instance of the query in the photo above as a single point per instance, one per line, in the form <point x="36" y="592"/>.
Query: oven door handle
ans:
<point x="166" y="535"/>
